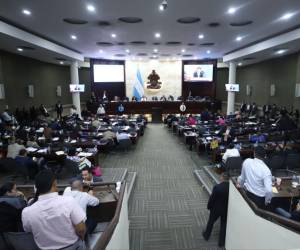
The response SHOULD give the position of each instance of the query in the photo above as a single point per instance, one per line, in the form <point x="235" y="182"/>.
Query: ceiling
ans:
<point x="46" y="20"/>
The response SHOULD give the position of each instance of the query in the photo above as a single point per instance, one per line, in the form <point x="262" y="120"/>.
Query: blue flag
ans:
<point x="138" y="88"/>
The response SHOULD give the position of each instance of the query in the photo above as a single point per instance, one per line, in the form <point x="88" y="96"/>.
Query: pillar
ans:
<point x="75" y="80"/>
<point x="231" y="95"/>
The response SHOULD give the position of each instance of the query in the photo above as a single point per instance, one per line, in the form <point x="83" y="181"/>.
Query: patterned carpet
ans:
<point x="168" y="207"/>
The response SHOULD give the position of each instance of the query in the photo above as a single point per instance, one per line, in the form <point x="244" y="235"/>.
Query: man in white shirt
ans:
<point x="256" y="179"/>
<point x="230" y="152"/>
<point x="83" y="199"/>
<point x="122" y="136"/>
<point x="100" y="110"/>
<point x="56" y="222"/>
<point x="14" y="148"/>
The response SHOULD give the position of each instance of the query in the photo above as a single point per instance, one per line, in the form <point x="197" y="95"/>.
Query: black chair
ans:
<point x="124" y="144"/>
<point x="292" y="162"/>
<point x="21" y="241"/>
<point x="10" y="218"/>
<point x="233" y="166"/>
<point x="18" y="170"/>
<point x="276" y="164"/>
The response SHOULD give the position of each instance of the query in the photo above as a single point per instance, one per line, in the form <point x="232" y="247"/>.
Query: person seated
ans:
<point x="14" y="148"/>
<point x="56" y="221"/>
<point x="85" y="113"/>
<point x="84" y="200"/>
<point x="220" y="121"/>
<point x="132" y="128"/>
<point x="170" y="98"/>
<point x="48" y="132"/>
<point x="134" y="99"/>
<point x="122" y="136"/>
<point x="231" y="151"/>
<point x="106" y="119"/>
<point x="6" y="116"/>
<point x="12" y="203"/>
<point x="294" y="215"/>
<point x="191" y="121"/>
<point x="27" y="162"/>
<point x="228" y="134"/>
<point x="179" y="98"/>
<point x="101" y="110"/>
<point x="144" y="98"/>
<point x="87" y="176"/>
<point x="96" y="123"/>
<point x="43" y="111"/>
<point x="163" y="98"/>
<point x="205" y="116"/>
<point x="126" y="99"/>
<point x="32" y="142"/>
<point x="285" y="122"/>
<point x="110" y="136"/>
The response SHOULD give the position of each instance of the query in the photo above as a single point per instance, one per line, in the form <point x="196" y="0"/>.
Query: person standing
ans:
<point x="256" y="179"/>
<point x="56" y="222"/>
<point x="59" y="110"/>
<point x="218" y="205"/>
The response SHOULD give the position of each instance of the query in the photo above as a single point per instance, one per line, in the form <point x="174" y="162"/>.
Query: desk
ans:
<point x="285" y="190"/>
<point x="151" y="107"/>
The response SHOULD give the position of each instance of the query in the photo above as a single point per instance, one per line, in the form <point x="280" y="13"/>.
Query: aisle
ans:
<point x="168" y="206"/>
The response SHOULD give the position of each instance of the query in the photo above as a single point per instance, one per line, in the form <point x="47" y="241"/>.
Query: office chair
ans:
<point x="292" y="162"/>
<point x="276" y="163"/>
<point x="125" y="144"/>
<point x="21" y="240"/>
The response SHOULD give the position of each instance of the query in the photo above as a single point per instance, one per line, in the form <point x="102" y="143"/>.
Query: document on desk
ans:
<point x="274" y="190"/>
<point x="55" y="139"/>
<point x="42" y="151"/>
<point x="31" y="149"/>
<point x="59" y="152"/>
<point x="73" y="141"/>
<point x="85" y="154"/>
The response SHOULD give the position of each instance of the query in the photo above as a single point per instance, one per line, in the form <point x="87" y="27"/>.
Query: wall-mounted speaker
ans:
<point x="58" y="90"/>
<point x="31" y="91"/>
<point x="248" y="90"/>
<point x="2" y="92"/>
<point x="297" y="90"/>
<point x="272" y="90"/>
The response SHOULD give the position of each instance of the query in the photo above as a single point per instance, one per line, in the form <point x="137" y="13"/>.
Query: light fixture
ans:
<point x="183" y="50"/>
<point x="157" y="35"/>
<point x="127" y="51"/>
<point x="231" y="10"/>
<point x="133" y="58"/>
<point x="239" y="38"/>
<point x="201" y="36"/>
<point x="195" y="58"/>
<point x="26" y="12"/>
<point x="73" y="37"/>
<point x="280" y="51"/>
<point x="90" y="8"/>
<point x="101" y="51"/>
<point x="208" y="52"/>
<point x="155" y="50"/>
<point x="61" y="62"/>
<point x="113" y="35"/>
<point x="20" y="49"/>
<point x="240" y="64"/>
<point x="287" y="16"/>
<point x="163" y="6"/>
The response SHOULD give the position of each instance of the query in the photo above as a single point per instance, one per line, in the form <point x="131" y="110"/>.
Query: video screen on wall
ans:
<point x="198" y="72"/>
<point x="108" y="73"/>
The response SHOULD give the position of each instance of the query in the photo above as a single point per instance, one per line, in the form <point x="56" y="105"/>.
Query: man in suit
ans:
<point x="218" y="205"/>
<point x="59" y="110"/>
<point x="199" y="73"/>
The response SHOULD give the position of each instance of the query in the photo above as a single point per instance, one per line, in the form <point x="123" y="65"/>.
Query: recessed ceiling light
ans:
<point x="280" y="51"/>
<point x="157" y="35"/>
<point x="73" y="37"/>
<point x="113" y="35"/>
<point x="61" y="62"/>
<point x="201" y="36"/>
<point x="231" y="10"/>
<point x="90" y="8"/>
<point x="195" y="58"/>
<point x="26" y="12"/>
<point x="155" y="50"/>
<point x="133" y="58"/>
<point x="183" y="50"/>
<point x="100" y="51"/>
<point x="287" y="16"/>
<point x="208" y="51"/>
<point x="240" y="64"/>
<point x="127" y="51"/>
<point x="239" y="38"/>
<point x="19" y="49"/>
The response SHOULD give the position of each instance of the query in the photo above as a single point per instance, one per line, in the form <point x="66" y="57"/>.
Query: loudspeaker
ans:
<point x="272" y="90"/>
<point x="248" y="90"/>
<point x="2" y="93"/>
<point x="297" y="90"/>
<point x="31" y="91"/>
<point x="58" y="90"/>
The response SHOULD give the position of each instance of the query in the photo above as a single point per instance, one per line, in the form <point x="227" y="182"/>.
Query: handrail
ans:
<point x="267" y="215"/>
<point x="107" y="234"/>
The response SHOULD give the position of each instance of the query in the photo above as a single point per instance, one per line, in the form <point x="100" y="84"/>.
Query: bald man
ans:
<point x="83" y="199"/>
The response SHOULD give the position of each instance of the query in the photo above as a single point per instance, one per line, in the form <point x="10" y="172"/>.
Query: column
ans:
<point x="75" y="80"/>
<point x="231" y="95"/>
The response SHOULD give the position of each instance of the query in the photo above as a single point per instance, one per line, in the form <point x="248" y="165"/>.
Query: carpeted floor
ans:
<point x="167" y="209"/>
